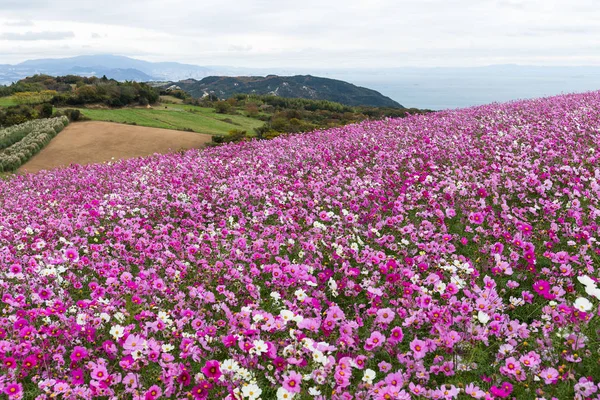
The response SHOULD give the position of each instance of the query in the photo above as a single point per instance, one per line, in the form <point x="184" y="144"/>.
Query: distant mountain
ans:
<point x="115" y="67"/>
<point x="302" y="86"/>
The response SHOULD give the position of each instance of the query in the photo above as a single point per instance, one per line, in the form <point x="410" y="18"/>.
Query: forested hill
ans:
<point x="299" y="86"/>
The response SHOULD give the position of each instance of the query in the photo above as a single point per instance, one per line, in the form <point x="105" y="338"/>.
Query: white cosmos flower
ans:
<point x="230" y="365"/>
<point x="440" y="287"/>
<point x="81" y="318"/>
<point x="583" y="304"/>
<point x="276" y="296"/>
<point x="259" y="347"/>
<point x="283" y="394"/>
<point x="483" y="317"/>
<point x="593" y="292"/>
<point x="368" y="376"/>
<point x="586" y="280"/>
<point x="117" y="331"/>
<point x="319" y="357"/>
<point x="257" y="317"/>
<point x="119" y="316"/>
<point x="251" y="391"/>
<point x="300" y="294"/>
<point x="286" y="315"/>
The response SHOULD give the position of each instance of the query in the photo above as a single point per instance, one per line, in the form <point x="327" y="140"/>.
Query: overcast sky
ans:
<point x="307" y="33"/>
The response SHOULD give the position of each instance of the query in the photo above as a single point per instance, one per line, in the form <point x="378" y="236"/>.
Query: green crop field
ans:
<point x="180" y="117"/>
<point x="6" y="101"/>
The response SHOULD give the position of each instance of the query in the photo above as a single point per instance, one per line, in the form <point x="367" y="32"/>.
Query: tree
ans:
<point x="46" y="110"/>
<point x="222" y="107"/>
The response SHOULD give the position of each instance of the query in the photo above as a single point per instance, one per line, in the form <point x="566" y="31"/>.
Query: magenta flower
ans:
<point x="542" y="287"/>
<point x="13" y="389"/>
<point x="77" y="376"/>
<point x="497" y="248"/>
<point x="30" y="362"/>
<point x="153" y="392"/>
<point x="78" y="353"/>
<point x="396" y="335"/>
<point x="72" y="254"/>
<point x="211" y="369"/>
<point x="9" y="363"/>
<point x="499" y="392"/>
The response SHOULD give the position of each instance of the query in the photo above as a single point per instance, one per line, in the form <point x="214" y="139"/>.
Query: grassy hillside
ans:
<point x="7" y="101"/>
<point x="197" y="119"/>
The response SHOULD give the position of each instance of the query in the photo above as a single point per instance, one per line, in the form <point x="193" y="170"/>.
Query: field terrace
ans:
<point x="452" y="255"/>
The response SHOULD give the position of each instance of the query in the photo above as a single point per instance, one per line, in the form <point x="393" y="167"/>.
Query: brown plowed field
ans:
<point x="95" y="142"/>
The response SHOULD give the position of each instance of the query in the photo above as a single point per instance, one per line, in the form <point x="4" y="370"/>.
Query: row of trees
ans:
<point x="22" y="113"/>
<point x="77" y="91"/>
<point x="34" y="136"/>
<point x="294" y="115"/>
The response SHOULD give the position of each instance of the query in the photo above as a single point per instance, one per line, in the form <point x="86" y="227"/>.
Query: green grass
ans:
<point x="179" y="117"/>
<point x="4" y="176"/>
<point x="170" y="99"/>
<point x="7" y="101"/>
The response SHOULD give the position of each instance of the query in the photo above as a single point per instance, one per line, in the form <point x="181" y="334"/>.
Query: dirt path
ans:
<point x="94" y="142"/>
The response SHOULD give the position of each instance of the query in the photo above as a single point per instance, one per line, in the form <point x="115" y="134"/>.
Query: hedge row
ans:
<point x="34" y="136"/>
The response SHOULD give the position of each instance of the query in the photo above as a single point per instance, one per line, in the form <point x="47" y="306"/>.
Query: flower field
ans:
<point x="452" y="255"/>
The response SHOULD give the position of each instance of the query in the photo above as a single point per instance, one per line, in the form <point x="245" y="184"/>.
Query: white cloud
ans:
<point x="19" y="23"/>
<point x="34" y="36"/>
<point x="313" y="33"/>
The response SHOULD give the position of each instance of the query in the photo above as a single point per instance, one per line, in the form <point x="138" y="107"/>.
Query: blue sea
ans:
<point x="449" y="88"/>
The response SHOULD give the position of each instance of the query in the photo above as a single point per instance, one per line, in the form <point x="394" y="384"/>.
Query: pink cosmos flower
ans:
<point x="292" y="382"/>
<point x="375" y="340"/>
<point x="385" y="315"/>
<point x="474" y="391"/>
<point x="99" y="373"/>
<point x="229" y="341"/>
<point x="133" y="343"/>
<point x="200" y="391"/>
<point x="384" y="366"/>
<point x="549" y="375"/>
<point x="396" y="335"/>
<point x="476" y="218"/>
<point x="417" y="390"/>
<point x="395" y="379"/>
<point x="61" y="387"/>
<point x="419" y="348"/>
<point x="360" y="362"/>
